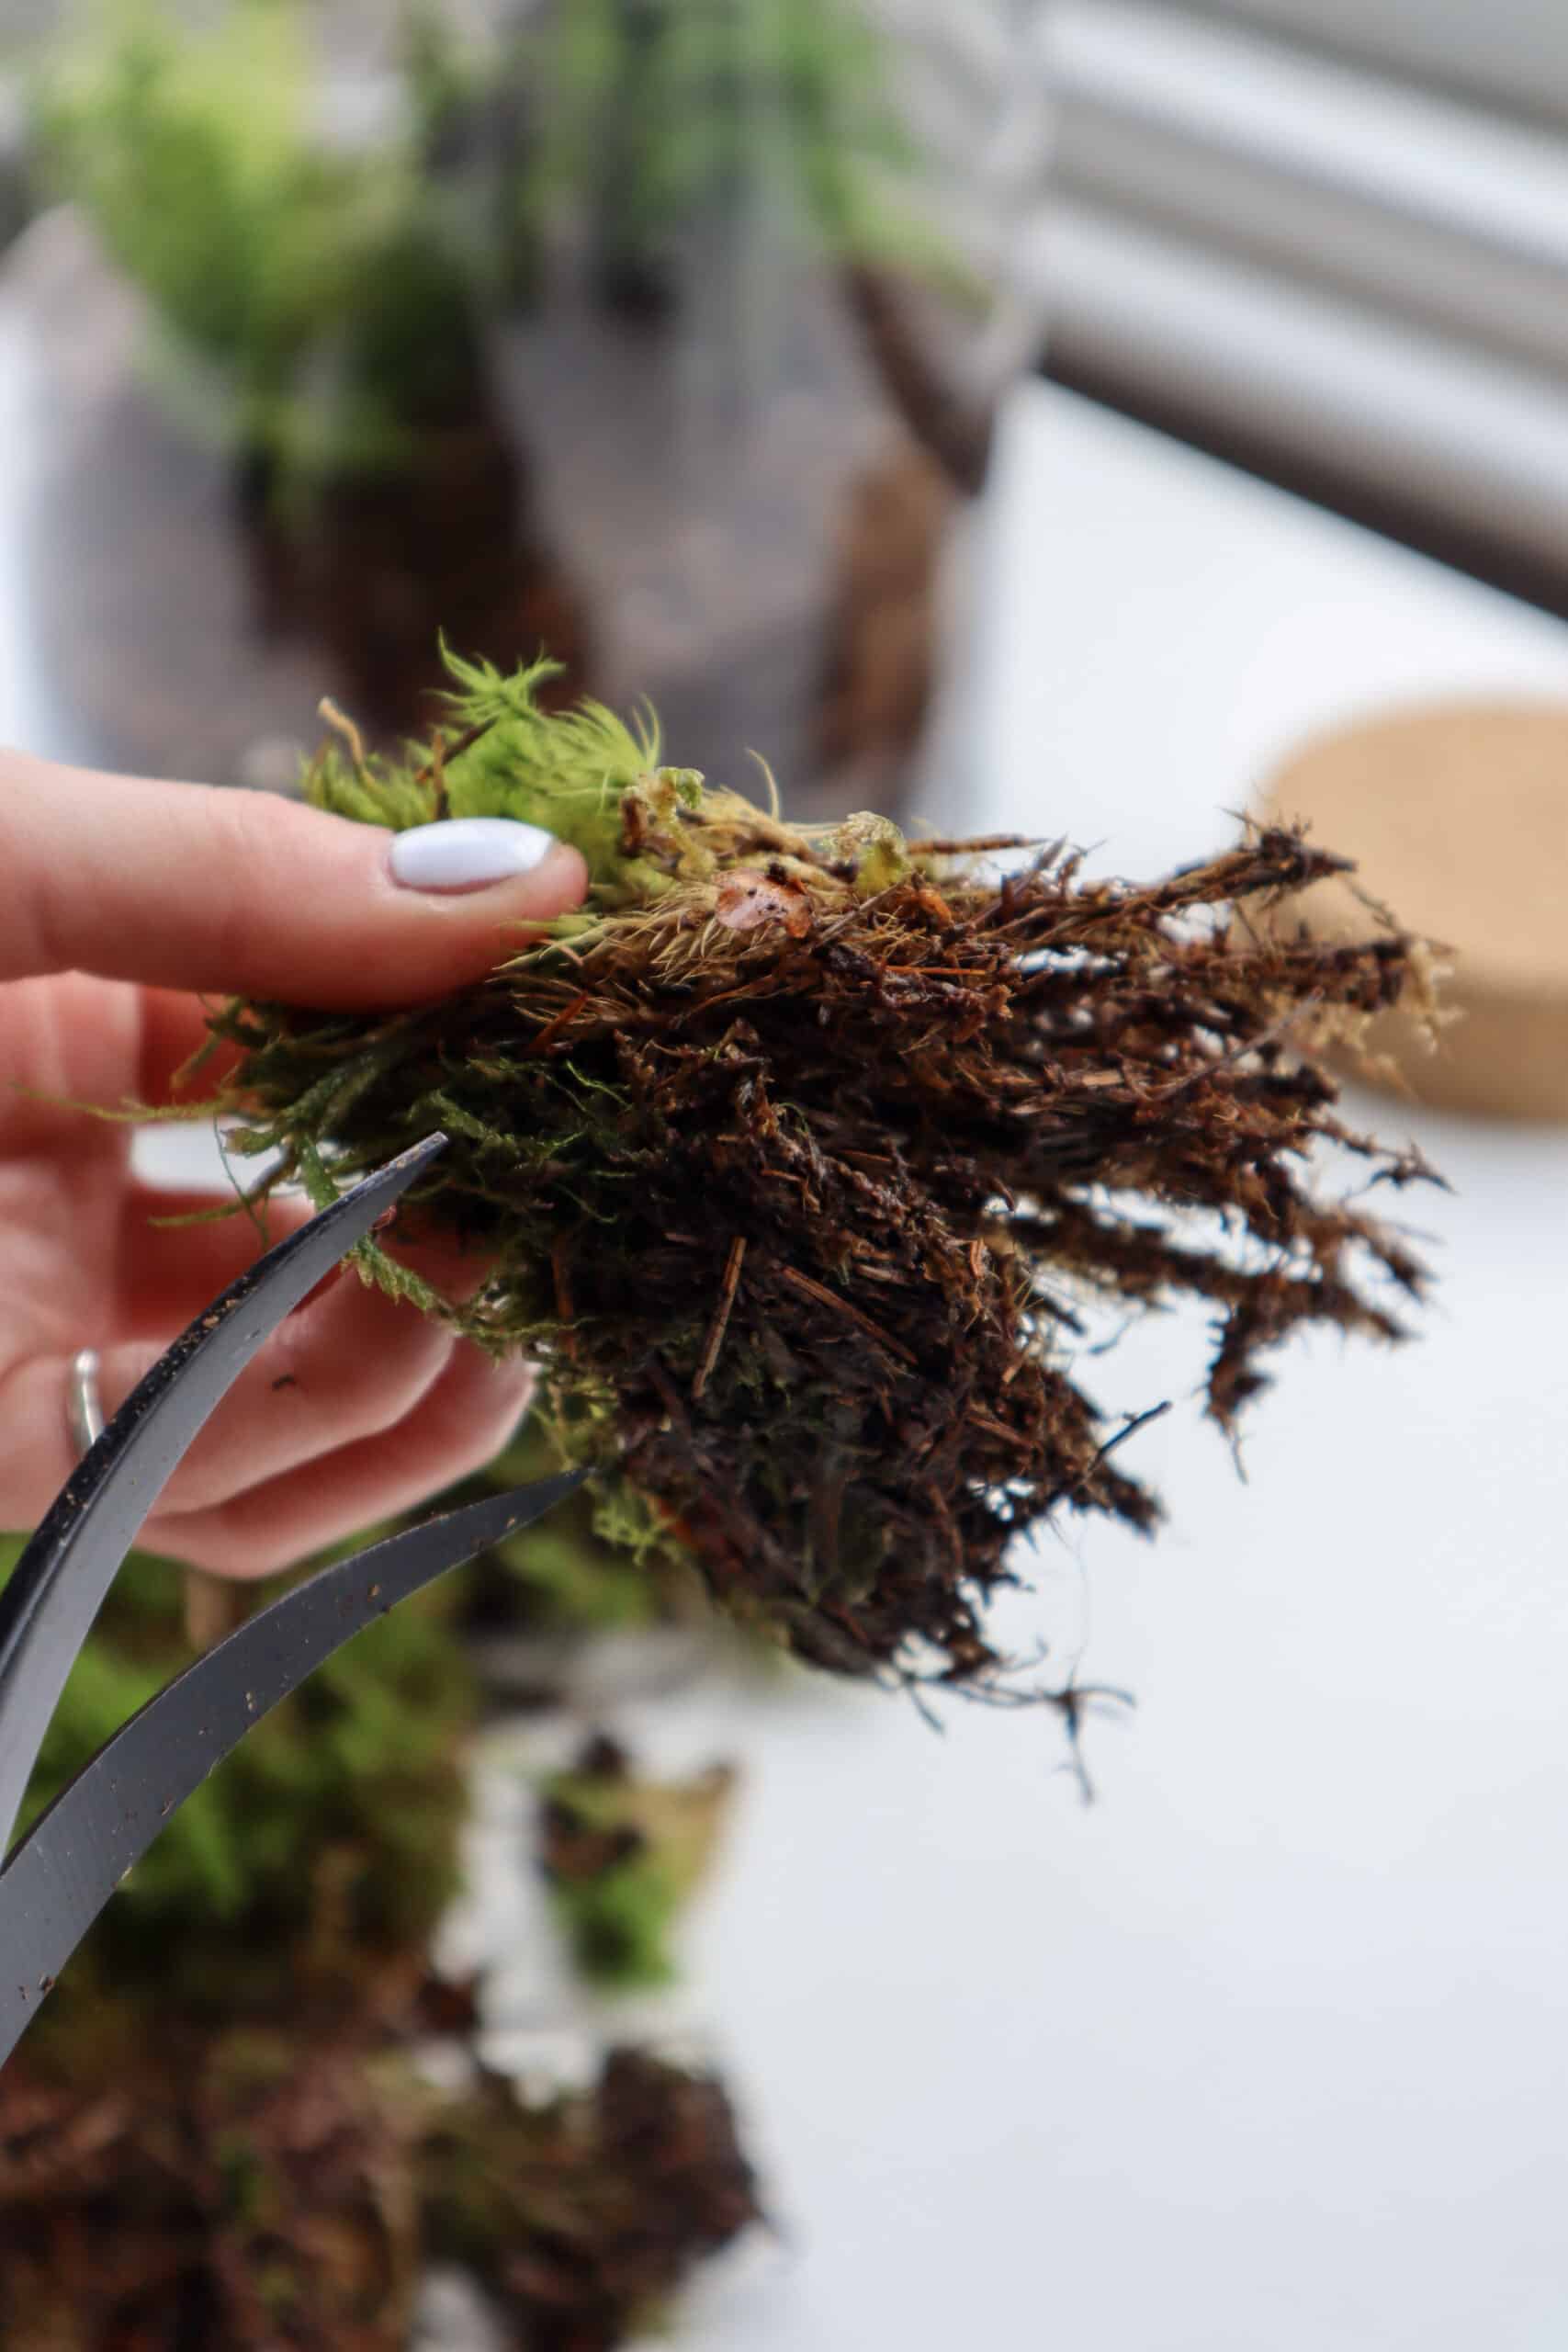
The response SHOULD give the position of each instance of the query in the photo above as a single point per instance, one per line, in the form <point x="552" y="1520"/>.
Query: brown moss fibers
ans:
<point x="798" y="1156"/>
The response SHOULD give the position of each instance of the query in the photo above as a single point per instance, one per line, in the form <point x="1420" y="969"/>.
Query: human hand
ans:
<point x="119" y="901"/>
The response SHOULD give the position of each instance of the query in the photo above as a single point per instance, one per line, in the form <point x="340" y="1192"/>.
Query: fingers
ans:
<point x="182" y="886"/>
<point x="462" y="1423"/>
<point x="167" y="1275"/>
<point x="349" y="1363"/>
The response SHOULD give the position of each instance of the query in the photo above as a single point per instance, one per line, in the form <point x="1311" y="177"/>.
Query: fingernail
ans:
<point x="467" y="852"/>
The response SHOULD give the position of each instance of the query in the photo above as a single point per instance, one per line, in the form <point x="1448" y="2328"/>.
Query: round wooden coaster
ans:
<point x="1457" y="816"/>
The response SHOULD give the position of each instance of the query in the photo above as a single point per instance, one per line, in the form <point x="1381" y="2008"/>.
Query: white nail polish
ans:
<point x="467" y="852"/>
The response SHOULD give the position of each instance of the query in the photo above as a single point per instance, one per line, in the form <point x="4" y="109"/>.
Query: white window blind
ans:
<point x="1513" y="51"/>
<point x="1314" y="255"/>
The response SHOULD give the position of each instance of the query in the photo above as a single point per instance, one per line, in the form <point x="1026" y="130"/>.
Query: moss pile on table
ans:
<point x="222" y="2128"/>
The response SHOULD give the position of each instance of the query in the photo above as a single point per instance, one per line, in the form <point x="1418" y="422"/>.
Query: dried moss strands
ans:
<point x="797" y="1154"/>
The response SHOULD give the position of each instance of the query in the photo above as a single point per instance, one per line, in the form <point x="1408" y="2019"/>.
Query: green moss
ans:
<point x="338" y="295"/>
<point x="617" y="1927"/>
<point x="218" y="2091"/>
<point x="662" y="110"/>
<point x="327" y="1841"/>
<point x="567" y="1573"/>
<point x="265" y="254"/>
<point x="622" y="1855"/>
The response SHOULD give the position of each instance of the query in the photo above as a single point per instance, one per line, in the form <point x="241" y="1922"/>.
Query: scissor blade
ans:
<point x="58" y="1585"/>
<point x="68" y="1865"/>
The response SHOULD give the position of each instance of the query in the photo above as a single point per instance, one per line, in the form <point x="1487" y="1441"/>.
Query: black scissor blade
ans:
<point x="70" y="1862"/>
<point x="58" y="1586"/>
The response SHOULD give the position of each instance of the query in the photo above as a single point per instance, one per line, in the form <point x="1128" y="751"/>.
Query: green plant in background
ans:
<point x="16" y="196"/>
<point x="280" y="259"/>
<point x="386" y="336"/>
<point x="663" y="112"/>
<point x="329" y="292"/>
<point x="324" y="1846"/>
<point x="798" y="1156"/>
<point x="637" y="120"/>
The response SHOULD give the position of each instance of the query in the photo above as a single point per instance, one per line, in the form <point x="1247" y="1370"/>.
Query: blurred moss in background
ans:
<point x="659" y="334"/>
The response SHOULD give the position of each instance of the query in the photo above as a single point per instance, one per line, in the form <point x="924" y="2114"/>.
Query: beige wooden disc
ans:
<point x="1457" y="816"/>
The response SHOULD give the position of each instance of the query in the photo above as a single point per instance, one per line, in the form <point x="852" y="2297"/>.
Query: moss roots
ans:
<point x="798" y="1156"/>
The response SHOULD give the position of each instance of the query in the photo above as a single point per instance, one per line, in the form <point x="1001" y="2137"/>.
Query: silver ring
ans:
<point x="84" y="1406"/>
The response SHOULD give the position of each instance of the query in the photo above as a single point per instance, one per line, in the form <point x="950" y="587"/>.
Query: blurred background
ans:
<point x="668" y="337"/>
<point x="1327" y="240"/>
<point x="1063" y="418"/>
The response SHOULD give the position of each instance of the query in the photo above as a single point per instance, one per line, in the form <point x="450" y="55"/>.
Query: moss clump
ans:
<point x="251" y="2188"/>
<point x="583" y="2216"/>
<point x="622" y="1856"/>
<point x="221" y="2096"/>
<point x="798" y="1154"/>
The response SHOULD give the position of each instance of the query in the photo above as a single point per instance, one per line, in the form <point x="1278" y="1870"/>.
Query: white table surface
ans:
<point x="1267" y="2050"/>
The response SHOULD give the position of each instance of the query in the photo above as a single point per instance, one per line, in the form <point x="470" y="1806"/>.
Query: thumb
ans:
<point x="184" y="886"/>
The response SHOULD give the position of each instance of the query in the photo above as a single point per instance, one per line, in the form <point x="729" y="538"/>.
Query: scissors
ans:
<point x="58" y="1878"/>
